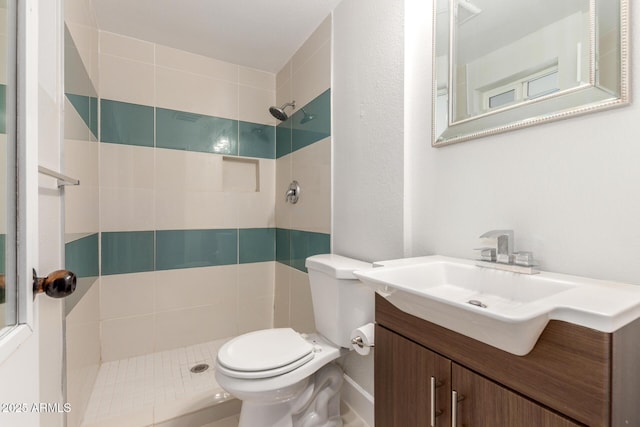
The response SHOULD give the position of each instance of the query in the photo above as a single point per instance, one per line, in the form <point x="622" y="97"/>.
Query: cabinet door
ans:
<point x="412" y="384"/>
<point x="481" y="402"/>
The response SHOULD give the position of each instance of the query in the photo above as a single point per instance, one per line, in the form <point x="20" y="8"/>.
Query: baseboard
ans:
<point x="358" y="399"/>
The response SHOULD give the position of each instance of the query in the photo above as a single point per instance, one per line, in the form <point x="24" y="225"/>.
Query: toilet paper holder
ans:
<point x="359" y="342"/>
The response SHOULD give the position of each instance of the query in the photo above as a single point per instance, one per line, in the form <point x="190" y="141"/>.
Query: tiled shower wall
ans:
<point x="179" y="219"/>
<point x="81" y="205"/>
<point x="303" y="154"/>
<point x="187" y="188"/>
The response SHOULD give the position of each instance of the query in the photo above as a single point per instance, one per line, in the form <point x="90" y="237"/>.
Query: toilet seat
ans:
<point x="264" y="354"/>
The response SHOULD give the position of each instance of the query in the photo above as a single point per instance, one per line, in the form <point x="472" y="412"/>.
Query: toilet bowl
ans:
<point x="285" y="378"/>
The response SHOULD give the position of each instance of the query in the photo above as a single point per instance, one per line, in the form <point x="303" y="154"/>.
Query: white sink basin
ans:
<point x="503" y="309"/>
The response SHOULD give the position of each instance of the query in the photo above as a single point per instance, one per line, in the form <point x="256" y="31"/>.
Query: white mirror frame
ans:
<point x="564" y="104"/>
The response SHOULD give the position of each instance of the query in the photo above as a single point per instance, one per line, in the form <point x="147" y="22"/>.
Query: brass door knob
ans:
<point x="59" y="284"/>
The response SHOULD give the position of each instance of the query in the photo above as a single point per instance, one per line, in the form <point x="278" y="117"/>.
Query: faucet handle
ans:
<point x="487" y="254"/>
<point x="524" y="258"/>
<point x="504" y="243"/>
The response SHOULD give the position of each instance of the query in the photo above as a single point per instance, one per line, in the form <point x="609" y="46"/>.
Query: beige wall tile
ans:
<point x="255" y="314"/>
<point x="193" y="287"/>
<point x="127" y="47"/>
<point x="284" y="177"/>
<point x="83" y="349"/>
<point x="281" y="317"/>
<point x="257" y="209"/>
<point x="127" y="188"/>
<point x="312" y="169"/>
<point x="313" y="77"/>
<point x="126" y="166"/>
<point x="85" y="37"/>
<point x="127" y="209"/>
<point x="125" y="295"/>
<point x="188" y="170"/>
<point x="82" y="209"/>
<point x="320" y="37"/>
<point x="82" y="213"/>
<point x="194" y="93"/>
<point x="256" y="78"/>
<point x="88" y="308"/>
<point x="74" y="126"/>
<point x="126" y="80"/>
<point x="191" y="210"/>
<point x="127" y="337"/>
<point x="178" y="328"/>
<point x="302" y="319"/>
<point x="192" y="63"/>
<point x="81" y="161"/>
<point x="255" y="296"/>
<point x="254" y="105"/>
<point x="79" y="12"/>
<point x="283" y="77"/>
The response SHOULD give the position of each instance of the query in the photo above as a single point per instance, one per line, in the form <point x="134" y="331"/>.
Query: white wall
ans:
<point x="568" y="189"/>
<point x="368" y="157"/>
<point x="368" y="150"/>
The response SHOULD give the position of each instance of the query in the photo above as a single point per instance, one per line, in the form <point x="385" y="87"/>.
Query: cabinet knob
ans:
<point x="59" y="284"/>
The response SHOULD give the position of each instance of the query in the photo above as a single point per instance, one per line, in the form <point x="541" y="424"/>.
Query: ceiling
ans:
<point x="261" y="34"/>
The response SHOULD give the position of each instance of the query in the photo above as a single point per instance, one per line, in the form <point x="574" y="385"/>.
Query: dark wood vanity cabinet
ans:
<point x="574" y="376"/>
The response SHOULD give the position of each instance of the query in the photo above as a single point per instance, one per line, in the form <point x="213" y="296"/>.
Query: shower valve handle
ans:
<point x="293" y="193"/>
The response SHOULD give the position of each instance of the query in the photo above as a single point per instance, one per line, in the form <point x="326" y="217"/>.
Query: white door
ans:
<point x="31" y="353"/>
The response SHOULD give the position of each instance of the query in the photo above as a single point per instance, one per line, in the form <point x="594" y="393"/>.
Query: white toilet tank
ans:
<point x="341" y="302"/>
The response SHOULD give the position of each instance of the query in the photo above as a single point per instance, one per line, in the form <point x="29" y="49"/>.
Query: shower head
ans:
<point x="278" y="112"/>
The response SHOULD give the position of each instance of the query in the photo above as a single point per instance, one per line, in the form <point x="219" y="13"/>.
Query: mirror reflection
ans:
<point x="547" y="51"/>
<point x="504" y="64"/>
<point x="7" y="237"/>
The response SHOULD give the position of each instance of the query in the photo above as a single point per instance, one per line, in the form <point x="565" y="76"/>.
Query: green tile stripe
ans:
<point x="309" y="124"/>
<point x="125" y="123"/>
<point x="283" y="246"/>
<point x="293" y="247"/>
<point x="256" y="140"/>
<point x="140" y="251"/>
<point x="127" y="252"/>
<point x="81" y="256"/>
<point x="256" y="245"/>
<point x="283" y="138"/>
<point x="133" y="124"/>
<point x="195" y="248"/>
<point x="87" y="108"/>
<point x="180" y="130"/>
<point x="312" y="123"/>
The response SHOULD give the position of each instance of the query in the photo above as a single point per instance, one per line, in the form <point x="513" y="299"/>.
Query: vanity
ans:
<point x="579" y="368"/>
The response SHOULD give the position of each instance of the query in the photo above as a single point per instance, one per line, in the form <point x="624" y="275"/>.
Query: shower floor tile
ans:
<point x="145" y="390"/>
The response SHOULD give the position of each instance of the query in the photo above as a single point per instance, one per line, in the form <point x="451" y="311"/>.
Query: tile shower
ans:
<point x="177" y="229"/>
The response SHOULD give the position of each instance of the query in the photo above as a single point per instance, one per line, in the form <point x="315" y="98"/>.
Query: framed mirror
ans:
<point x="500" y="65"/>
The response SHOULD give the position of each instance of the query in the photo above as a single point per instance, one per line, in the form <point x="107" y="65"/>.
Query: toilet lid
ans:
<point x="265" y="350"/>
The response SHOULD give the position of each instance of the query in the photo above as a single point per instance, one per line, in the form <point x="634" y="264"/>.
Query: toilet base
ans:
<point x="317" y="405"/>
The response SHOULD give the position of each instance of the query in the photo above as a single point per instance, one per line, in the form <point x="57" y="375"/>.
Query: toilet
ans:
<point x="285" y="378"/>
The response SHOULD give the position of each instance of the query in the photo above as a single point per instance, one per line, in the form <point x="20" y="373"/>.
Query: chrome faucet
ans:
<point x="504" y="247"/>
<point x="502" y="257"/>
